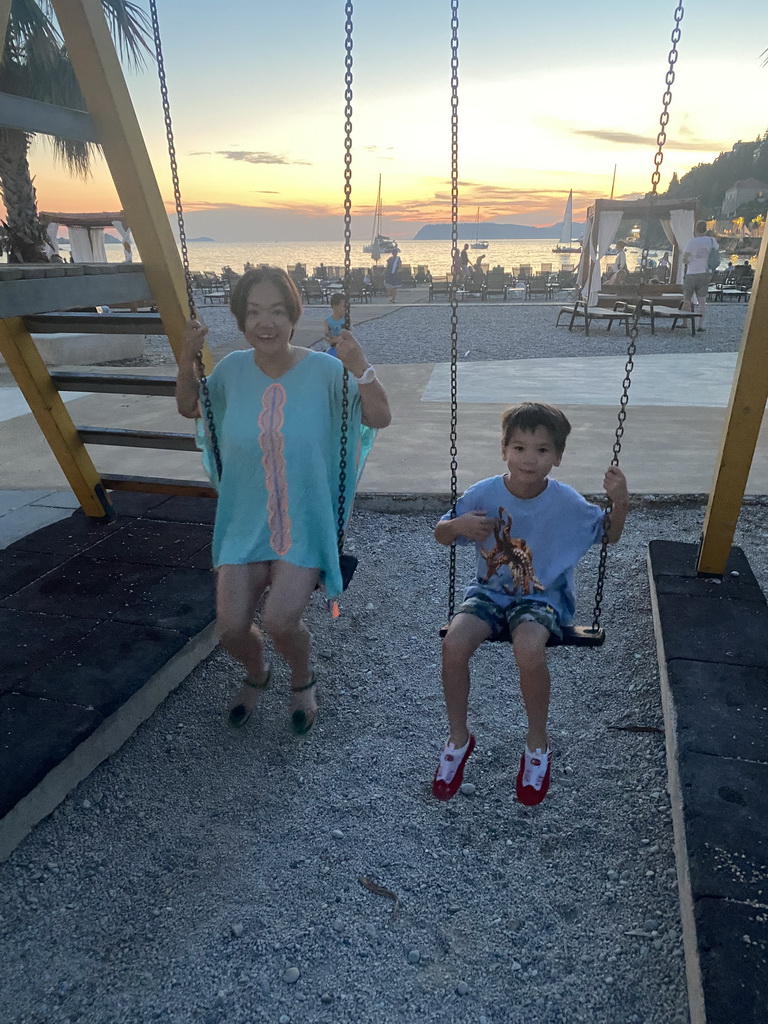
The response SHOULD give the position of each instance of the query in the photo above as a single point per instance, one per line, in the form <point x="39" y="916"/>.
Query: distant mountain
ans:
<point x="489" y="230"/>
<point x="202" y="238"/>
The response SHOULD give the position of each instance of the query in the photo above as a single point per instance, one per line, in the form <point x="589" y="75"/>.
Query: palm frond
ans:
<point x="130" y="28"/>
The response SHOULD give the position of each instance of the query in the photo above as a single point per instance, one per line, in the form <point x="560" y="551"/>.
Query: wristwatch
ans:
<point x="368" y="376"/>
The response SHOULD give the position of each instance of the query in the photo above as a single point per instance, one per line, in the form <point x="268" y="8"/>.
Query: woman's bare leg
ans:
<point x="238" y="591"/>
<point x="288" y="596"/>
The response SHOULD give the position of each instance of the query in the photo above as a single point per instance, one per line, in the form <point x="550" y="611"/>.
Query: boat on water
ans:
<point x="566" y="243"/>
<point x="478" y="243"/>
<point x="379" y="243"/>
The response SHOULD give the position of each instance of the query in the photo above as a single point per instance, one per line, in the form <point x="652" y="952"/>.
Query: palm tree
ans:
<point x="35" y="64"/>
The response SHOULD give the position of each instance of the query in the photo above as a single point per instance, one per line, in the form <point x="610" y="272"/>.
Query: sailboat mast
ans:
<point x="377" y="215"/>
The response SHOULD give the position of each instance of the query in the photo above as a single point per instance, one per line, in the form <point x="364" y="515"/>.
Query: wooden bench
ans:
<point x="581" y="310"/>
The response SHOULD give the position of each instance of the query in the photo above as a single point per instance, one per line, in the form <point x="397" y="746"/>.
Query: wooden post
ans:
<point x="5" y="13"/>
<point x="108" y="101"/>
<point x="746" y="408"/>
<point x="32" y="377"/>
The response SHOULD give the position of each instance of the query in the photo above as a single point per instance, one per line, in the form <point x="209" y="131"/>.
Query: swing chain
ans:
<point x="454" y="299"/>
<point x="666" y="99"/>
<point x="207" y="405"/>
<point x="348" y="27"/>
<point x="634" y="325"/>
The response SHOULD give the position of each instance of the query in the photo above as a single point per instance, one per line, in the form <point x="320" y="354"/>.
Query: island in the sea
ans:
<point x="202" y="238"/>
<point x="489" y="230"/>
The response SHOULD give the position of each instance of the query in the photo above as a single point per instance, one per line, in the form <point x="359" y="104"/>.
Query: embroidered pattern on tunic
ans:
<point x="271" y="422"/>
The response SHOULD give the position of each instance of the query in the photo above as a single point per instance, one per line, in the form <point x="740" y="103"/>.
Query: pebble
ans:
<point x="326" y="998"/>
<point x="338" y="925"/>
<point x="515" y="966"/>
<point x="292" y="975"/>
<point x="468" y="789"/>
<point x="462" y="988"/>
<point x="284" y="1019"/>
<point x="237" y="930"/>
<point x="337" y="833"/>
<point x="264" y="986"/>
<point x="414" y="956"/>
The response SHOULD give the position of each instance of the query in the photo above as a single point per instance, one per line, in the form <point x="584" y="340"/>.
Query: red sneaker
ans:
<point x="450" y="771"/>
<point x="533" y="777"/>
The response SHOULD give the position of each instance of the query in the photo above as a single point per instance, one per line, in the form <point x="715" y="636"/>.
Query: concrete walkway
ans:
<point x="670" y="446"/>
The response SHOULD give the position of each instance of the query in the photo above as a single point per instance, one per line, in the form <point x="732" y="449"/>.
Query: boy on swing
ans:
<point x="529" y="532"/>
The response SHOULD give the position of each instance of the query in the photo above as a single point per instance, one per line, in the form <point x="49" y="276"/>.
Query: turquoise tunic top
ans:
<point x="280" y="448"/>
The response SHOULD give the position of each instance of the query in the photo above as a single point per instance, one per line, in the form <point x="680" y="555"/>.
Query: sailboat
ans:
<point x="478" y="242"/>
<point x="566" y="242"/>
<point x="379" y="243"/>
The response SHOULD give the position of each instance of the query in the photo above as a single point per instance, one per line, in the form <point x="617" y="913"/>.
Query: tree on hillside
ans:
<point x="35" y="64"/>
<point x="709" y="182"/>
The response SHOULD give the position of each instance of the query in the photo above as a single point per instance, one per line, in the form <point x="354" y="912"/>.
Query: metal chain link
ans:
<point x="348" y="27"/>
<point x="658" y="158"/>
<point x="207" y="405"/>
<point x="454" y="300"/>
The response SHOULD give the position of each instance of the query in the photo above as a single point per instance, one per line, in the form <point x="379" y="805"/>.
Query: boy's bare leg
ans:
<point x="238" y="591"/>
<point x="529" y="644"/>
<point x="465" y="634"/>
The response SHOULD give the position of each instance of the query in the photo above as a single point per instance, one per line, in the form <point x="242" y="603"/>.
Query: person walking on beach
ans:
<point x="464" y="261"/>
<point x="699" y="257"/>
<point x="392" y="275"/>
<point x="529" y="532"/>
<point x="334" y="324"/>
<point x="277" y="411"/>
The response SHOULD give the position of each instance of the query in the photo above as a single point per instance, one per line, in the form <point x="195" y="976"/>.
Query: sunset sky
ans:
<point x="552" y="95"/>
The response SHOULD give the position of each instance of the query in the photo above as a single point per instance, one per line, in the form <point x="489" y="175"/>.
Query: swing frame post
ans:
<point x="746" y="408"/>
<point x="5" y="14"/>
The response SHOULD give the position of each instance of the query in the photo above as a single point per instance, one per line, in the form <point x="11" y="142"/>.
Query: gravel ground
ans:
<point x="421" y="334"/>
<point x="206" y="877"/>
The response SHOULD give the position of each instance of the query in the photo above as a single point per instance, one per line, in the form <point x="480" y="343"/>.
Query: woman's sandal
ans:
<point x="240" y="713"/>
<point x="302" y="720"/>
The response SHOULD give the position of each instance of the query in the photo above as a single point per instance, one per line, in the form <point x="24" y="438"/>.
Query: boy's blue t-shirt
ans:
<point x="335" y="327"/>
<point x="535" y="544"/>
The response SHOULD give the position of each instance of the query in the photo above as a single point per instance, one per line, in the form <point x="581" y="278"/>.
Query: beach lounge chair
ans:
<point x="580" y="310"/>
<point x="312" y="290"/>
<point x="440" y="288"/>
<point x="538" y="286"/>
<point x="656" y="311"/>
<point x="495" y="283"/>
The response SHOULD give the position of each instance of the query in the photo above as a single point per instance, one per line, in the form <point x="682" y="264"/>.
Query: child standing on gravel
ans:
<point x="334" y="324"/>
<point x="529" y="532"/>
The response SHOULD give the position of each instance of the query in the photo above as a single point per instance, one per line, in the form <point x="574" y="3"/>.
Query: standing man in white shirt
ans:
<point x="698" y="271"/>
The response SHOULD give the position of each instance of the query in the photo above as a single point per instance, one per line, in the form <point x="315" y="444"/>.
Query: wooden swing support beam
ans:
<point x="746" y="408"/>
<point x="111" y="121"/>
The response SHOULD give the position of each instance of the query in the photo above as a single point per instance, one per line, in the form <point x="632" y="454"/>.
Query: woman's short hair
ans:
<point x="527" y="416"/>
<point x="276" y="276"/>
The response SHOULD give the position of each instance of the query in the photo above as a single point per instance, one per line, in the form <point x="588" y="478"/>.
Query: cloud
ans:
<point x="631" y="139"/>
<point x="378" y="149"/>
<point x="250" y="156"/>
<point x="265" y="192"/>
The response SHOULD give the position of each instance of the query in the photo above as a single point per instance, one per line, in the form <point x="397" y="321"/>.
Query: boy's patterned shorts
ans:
<point x="502" y="619"/>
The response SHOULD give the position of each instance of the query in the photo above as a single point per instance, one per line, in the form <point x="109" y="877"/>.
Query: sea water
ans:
<point x="435" y="255"/>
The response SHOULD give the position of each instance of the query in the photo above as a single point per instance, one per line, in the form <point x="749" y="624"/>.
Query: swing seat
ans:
<point x="573" y="636"/>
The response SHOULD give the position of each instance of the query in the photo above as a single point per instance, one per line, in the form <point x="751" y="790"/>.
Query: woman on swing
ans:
<point x="277" y="411"/>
